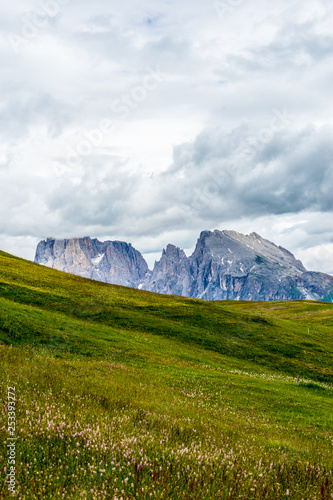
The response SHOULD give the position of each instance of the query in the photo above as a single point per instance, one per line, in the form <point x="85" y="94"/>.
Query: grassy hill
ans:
<point x="124" y="393"/>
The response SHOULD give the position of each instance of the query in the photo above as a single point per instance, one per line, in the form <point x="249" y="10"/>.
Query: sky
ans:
<point x="151" y="121"/>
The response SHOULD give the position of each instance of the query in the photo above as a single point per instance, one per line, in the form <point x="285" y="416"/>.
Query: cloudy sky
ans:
<point x="151" y="121"/>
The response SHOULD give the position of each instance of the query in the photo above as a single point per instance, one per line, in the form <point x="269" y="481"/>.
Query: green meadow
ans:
<point x="125" y="394"/>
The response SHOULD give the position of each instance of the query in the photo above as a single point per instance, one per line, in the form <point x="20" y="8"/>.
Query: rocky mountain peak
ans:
<point x="172" y="251"/>
<point x="113" y="262"/>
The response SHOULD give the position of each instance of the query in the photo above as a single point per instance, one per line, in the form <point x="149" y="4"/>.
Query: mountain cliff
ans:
<point x="225" y="265"/>
<point x="113" y="262"/>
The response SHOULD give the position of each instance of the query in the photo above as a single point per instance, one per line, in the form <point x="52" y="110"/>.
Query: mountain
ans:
<point x="112" y="262"/>
<point x="225" y="265"/>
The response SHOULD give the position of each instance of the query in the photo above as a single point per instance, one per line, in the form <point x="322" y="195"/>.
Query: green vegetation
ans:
<point x="259" y="260"/>
<point x="295" y="292"/>
<point x="126" y="394"/>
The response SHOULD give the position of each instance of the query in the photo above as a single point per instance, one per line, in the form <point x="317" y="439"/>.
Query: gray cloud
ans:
<point x="221" y="174"/>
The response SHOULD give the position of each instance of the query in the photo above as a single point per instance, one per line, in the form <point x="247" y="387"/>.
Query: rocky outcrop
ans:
<point x="225" y="265"/>
<point x="113" y="262"/>
<point x="171" y="274"/>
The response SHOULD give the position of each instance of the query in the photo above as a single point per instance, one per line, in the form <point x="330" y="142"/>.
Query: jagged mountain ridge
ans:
<point x="225" y="265"/>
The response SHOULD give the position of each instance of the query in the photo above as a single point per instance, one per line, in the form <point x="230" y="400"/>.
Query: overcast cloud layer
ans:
<point x="149" y="122"/>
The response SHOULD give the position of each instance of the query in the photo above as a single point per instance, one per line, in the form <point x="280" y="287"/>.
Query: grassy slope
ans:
<point x="166" y="372"/>
<point x="49" y="303"/>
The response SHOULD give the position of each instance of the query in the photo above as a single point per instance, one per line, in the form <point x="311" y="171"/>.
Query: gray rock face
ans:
<point x="171" y="274"/>
<point x="225" y="265"/>
<point x="113" y="262"/>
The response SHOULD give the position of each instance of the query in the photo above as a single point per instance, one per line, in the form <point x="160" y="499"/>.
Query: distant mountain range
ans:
<point x="225" y="265"/>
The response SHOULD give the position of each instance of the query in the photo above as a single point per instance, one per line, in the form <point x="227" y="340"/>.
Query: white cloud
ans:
<point x="180" y="162"/>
